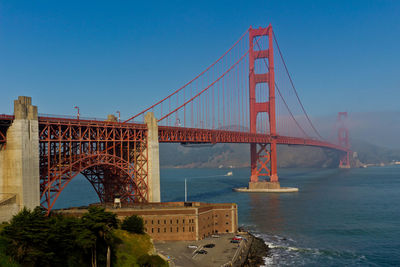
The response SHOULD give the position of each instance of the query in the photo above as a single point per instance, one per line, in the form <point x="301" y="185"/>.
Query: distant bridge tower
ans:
<point x="263" y="156"/>
<point x="343" y="138"/>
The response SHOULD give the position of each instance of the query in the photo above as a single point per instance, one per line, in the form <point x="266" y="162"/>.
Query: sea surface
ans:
<point x="338" y="218"/>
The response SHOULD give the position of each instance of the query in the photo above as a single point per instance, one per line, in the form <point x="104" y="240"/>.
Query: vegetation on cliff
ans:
<point x="32" y="238"/>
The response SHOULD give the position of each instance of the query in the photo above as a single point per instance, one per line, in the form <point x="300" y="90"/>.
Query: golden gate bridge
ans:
<point x="246" y="96"/>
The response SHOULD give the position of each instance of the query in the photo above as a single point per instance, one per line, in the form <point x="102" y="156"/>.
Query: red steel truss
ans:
<point x="5" y="121"/>
<point x="112" y="156"/>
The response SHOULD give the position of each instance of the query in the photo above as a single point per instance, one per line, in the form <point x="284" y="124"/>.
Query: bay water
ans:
<point x="338" y="218"/>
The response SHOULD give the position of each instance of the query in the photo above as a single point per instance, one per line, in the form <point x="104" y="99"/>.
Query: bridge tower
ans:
<point x="343" y="138"/>
<point x="263" y="156"/>
<point x="19" y="161"/>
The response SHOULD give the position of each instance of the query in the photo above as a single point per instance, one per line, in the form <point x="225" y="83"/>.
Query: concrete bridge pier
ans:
<point x="19" y="161"/>
<point x="153" y="158"/>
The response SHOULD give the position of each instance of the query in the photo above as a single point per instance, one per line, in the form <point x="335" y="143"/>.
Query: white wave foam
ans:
<point x="268" y="261"/>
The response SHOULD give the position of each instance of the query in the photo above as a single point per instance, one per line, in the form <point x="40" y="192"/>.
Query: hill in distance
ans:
<point x="238" y="155"/>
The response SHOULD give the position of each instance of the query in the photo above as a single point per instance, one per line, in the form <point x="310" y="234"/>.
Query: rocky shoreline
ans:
<point x="258" y="250"/>
<point x="254" y="255"/>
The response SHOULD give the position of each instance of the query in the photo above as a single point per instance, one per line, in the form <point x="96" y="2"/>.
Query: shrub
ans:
<point x="133" y="224"/>
<point x="152" y="261"/>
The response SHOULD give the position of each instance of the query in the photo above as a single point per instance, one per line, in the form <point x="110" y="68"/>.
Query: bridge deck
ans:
<point x="179" y="134"/>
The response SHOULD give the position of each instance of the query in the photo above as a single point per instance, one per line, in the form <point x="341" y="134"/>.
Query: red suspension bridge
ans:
<point x="246" y="96"/>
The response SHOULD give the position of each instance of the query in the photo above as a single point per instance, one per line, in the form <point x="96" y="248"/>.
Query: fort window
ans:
<point x="145" y="222"/>
<point x="226" y="215"/>
<point x="183" y="221"/>
<point x="152" y="222"/>
<point x="165" y="230"/>
<point x="152" y="230"/>
<point x="177" y="229"/>
<point x="165" y="221"/>
<point x="170" y="221"/>
<point x="177" y="220"/>
<point x="171" y="229"/>
<point x="183" y="229"/>
<point x="226" y="230"/>
<point x="158" y="221"/>
<point x="158" y="229"/>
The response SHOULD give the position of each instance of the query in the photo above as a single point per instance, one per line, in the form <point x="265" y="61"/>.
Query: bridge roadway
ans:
<point x="168" y="134"/>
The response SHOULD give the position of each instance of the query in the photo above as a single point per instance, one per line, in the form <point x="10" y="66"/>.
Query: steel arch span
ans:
<point x="111" y="156"/>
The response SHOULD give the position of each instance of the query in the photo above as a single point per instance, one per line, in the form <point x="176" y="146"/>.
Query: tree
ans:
<point x="99" y="224"/>
<point x="133" y="224"/>
<point x="34" y="239"/>
<point x="27" y="238"/>
<point x="63" y="237"/>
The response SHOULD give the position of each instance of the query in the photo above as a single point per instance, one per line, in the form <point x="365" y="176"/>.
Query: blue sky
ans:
<point x="106" y="56"/>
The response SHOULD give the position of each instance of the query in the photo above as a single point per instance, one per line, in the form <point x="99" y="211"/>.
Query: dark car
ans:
<point x="202" y="251"/>
<point x="209" y="245"/>
<point x="235" y="241"/>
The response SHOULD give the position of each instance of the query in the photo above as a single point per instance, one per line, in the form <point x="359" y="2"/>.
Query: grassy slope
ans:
<point x="132" y="247"/>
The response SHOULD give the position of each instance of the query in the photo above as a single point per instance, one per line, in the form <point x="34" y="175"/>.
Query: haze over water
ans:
<point x="339" y="217"/>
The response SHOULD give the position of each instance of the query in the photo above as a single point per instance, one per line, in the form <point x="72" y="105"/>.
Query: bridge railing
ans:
<point x="80" y="118"/>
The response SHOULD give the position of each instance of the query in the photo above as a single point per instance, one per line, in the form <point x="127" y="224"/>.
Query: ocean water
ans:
<point x="338" y="218"/>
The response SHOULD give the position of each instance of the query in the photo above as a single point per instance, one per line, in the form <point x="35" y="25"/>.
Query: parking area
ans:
<point x="211" y="251"/>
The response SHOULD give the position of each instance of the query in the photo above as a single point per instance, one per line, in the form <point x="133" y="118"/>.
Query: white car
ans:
<point x="215" y="236"/>
<point x="192" y="246"/>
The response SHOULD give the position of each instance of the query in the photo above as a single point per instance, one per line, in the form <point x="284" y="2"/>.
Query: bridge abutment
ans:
<point x="19" y="160"/>
<point x="153" y="158"/>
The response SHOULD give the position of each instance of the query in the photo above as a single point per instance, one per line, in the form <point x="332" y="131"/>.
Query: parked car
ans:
<point x="192" y="246"/>
<point x="235" y="241"/>
<point x="215" y="236"/>
<point x="209" y="245"/>
<point x="201" y="251"/>
<point x="236" y="238"/>
<point x="239" y="237"/>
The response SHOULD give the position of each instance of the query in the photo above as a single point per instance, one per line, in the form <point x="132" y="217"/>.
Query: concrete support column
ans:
<point x="153" y="158"/>
<point x="20" y="158"/>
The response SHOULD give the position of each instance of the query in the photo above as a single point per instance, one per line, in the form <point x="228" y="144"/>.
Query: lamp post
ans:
<point x="185" y="191"/>
<point x="119" y="116"/>
<point x="78" y="111"/>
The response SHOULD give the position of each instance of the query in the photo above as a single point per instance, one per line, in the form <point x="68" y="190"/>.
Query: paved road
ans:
<point x="182" y="256"/>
